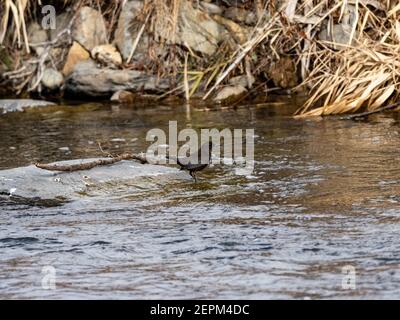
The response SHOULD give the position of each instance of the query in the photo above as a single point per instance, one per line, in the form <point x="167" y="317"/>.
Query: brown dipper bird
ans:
<point x="198" y="166"/>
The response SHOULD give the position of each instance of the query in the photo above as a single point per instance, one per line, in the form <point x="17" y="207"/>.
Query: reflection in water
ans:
<point x="324" y="195"/>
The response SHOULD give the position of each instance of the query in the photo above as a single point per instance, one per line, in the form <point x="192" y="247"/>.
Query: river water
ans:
<point x="318" y="219"/>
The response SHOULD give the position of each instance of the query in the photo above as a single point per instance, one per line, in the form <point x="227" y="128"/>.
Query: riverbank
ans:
<point x="342" y="54"/>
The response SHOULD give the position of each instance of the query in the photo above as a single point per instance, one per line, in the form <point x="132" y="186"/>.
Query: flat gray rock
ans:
<point x="89" y="80"/>
<point x="12" y="105"/>
<point x="36" y="186"/>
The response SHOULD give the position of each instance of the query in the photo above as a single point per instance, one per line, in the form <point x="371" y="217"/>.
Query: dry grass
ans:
<point x="365" y="72"/>
<point x="340" y="77"/>
<point x="362" y="73"/>
<point x="14" y="11"/>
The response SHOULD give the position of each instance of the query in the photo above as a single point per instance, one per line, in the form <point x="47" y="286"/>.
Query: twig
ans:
<point x="40" y="70"/>
<point x="104" y="152"/>
<point x="136" y="42"/>
<point x="365" y="114"/>
<point x="53" y="42"/>
<point x="92" y="164"/>
<point x="185" y="79"/>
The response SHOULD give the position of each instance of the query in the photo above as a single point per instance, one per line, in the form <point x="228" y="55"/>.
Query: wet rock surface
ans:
<point x="31" y="185"/>
<point x="12" y="105"/>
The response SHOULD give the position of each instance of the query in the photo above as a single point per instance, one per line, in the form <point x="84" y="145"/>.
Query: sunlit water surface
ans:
<point x="324" y="196"/>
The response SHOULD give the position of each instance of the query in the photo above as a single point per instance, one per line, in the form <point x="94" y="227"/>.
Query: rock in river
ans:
<point x="11" y="105"/>
<point x="35" y="186"/>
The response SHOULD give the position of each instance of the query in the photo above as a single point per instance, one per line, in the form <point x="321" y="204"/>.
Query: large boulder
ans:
<point x="89" y="80"/>
<point x="198" y="30"/>
<point x="89" y="28"/>
<point x="128" y="29"/>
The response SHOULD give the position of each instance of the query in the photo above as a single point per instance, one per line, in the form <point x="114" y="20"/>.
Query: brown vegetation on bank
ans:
<point x="343" y="53"/>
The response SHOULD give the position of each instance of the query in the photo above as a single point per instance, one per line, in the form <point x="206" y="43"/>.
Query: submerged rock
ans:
<point x="11" y="105"/>
<point x="33" y="185"/>
<point x="87" y="79"/>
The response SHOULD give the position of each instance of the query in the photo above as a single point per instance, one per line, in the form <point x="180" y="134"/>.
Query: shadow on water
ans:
<point x="324" y="195"/>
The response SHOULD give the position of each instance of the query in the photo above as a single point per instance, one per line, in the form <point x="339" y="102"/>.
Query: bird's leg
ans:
<point x="192" y="173"/>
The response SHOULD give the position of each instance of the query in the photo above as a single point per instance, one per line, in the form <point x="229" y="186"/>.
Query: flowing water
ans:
<point x="318" y="218"/>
